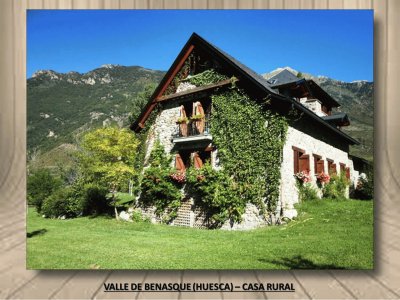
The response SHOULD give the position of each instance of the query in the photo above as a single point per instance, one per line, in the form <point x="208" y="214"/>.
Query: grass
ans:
<point x="328" y="234"/>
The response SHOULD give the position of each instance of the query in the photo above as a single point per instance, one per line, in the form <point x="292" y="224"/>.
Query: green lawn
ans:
<point x="327" y="234"/>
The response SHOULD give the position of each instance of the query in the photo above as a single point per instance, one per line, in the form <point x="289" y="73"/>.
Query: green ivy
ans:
<point x="157" y="188"/>
<point x="215" y="193"/>
<point x="205" y="78"/>
<point x="249" y="139"/>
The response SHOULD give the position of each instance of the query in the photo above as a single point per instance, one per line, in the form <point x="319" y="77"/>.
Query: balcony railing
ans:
<point x="193" y="128"/>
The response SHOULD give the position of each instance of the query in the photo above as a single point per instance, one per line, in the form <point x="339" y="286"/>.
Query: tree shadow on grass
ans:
<point x="35" y="233"/>
<point x="298" y="262"/>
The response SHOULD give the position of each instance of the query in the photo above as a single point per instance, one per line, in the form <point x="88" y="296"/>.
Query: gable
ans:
<point x="198" y="55"/>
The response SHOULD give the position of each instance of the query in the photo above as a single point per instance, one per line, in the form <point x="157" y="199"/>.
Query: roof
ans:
<point x="283" y="77"/>
<point x="241" y="70"/>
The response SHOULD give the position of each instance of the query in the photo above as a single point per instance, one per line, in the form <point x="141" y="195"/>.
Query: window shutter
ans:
<point x="296" y="161"/>
<point x="304" y="163"/>
<point x="179" y="165"/>
<point x="320" y="166"/>
<point x="182" y="112"/>
<point x="342" y="168"/>
<point x="198" y="110"/>
<point x="348" y="173"/>
<point x="183" y="127"/>
<point x="197" y="162"/>
<point x="332" y="169"/>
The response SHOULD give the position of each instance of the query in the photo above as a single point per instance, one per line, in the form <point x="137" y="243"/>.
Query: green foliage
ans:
<point x="61" y="203"/>
<point x="107" y="157"/>
<point x="215" y="192"/>
<point x="41" y="184"/>
<point x="249" y="139"/>
<point x="77" y="200"/>
<point x="307" y="192"/>
<point x="157" y="188"/>
<point x="93" y="199"/>
<point x="299" y="75"/>
<point x="70" y="105"/>
<point x="206" y="77"/>
<point x="336" y="188"/>
<point x="365" y="187"/>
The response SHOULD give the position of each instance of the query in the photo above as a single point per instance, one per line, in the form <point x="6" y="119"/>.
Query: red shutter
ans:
<point x="199" y="123"/>
<point x="320" y="166"/>
<point x="197" y="162"/>
<point x="183" y="127"/>
<point x="342" y="168"/>
<point x="348" y="173"/>
<point x="296" y="161"/>
<point x="179" y="165"/>
<point x="304" y="163"/>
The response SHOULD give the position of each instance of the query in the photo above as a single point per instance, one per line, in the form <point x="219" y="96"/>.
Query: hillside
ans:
<point x="61" y="105"/>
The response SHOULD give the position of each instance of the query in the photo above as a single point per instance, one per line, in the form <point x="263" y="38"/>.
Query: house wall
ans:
<point x="311" y="145"/>
<point x="165" y="127"/>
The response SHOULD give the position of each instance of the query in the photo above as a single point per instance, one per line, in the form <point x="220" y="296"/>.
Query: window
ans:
<point x="318" y="164"/>
<point x="331" y="167"/>
<point x="347" y="173"/>
<point x="342" y="168"/>
<point x="301" y="161"/>
<point x="186" y="158"/>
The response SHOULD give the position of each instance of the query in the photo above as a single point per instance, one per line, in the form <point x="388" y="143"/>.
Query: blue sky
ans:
<point x="334" y="43"/>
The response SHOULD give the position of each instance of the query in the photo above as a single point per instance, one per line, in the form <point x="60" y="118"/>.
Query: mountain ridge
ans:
<point x="62" y="105"/>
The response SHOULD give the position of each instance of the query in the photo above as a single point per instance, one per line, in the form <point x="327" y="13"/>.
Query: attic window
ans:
<point x="272" y="81"/>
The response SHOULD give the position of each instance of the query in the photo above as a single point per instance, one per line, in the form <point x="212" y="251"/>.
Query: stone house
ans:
<point x="314" y="144"/>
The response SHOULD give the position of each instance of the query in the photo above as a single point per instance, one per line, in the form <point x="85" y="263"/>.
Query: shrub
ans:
<point x="336" y="188"/>
<point x="307" y="192"/>
<point x="40" y="185"/>
<point x="365" y="187"/>
<point x="93" y="200"/>
<point x="61" y="203"/>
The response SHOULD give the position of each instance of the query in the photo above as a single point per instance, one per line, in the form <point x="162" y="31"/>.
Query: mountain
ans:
<point x="62" y="105"/>
<point x="356" y="99"/>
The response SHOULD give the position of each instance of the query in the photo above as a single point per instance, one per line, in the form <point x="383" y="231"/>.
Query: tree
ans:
<point x="299" y="75"/>
<point x="107" y="158"/>
<point x="41" y="184"/>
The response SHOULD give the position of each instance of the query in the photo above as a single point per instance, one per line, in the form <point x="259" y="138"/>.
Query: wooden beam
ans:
<point x="175" y="70"/>
<point x="195" y="90"/>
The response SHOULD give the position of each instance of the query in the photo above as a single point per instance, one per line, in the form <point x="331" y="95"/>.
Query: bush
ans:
<point x="93" y="200"/>
<point x="336" y="188"/>
<point x="40" y="185"/>
<point x="61" y="203"/>
<point x="307" y="192"/>
<point x="365" y="187"/>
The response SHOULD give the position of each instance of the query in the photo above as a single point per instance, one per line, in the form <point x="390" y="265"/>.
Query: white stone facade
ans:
<point x="165" y="128"/>
<point x="311" y="145"/>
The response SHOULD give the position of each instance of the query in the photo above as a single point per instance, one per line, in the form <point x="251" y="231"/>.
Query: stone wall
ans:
<point x="311" y="145"/>
<point x="164" y="128"/>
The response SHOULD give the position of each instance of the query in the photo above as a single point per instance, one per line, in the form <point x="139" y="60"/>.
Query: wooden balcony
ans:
<point x="195" y="130"/>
